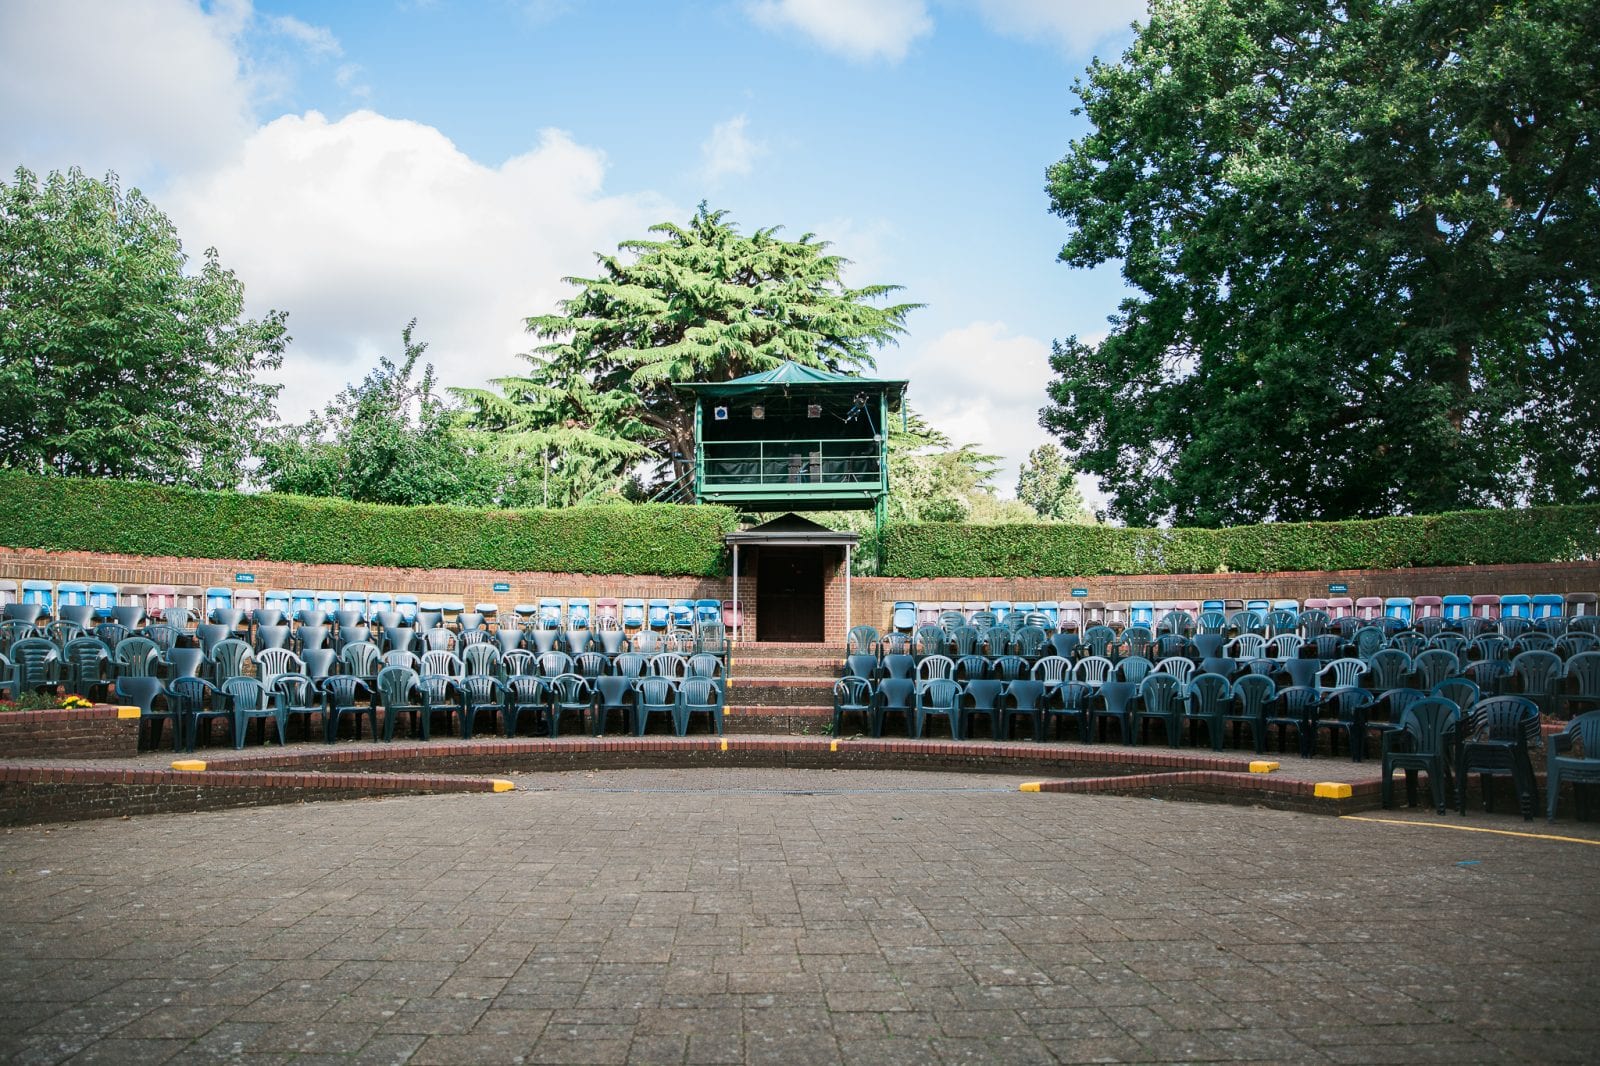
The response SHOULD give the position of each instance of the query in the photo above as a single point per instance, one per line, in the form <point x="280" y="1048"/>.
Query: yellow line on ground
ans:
<point x="1470" y="829"/>
<point x="1029" y="786"/>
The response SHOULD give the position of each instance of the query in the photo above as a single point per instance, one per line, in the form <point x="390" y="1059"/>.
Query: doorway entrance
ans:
<point x="789" y="599"/>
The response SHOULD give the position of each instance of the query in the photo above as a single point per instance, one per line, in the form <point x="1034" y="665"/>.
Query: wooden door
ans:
<point x="789" y="603"/>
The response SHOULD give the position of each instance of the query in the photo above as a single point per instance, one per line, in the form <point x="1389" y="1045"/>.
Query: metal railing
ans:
<point x="734" y="464"/>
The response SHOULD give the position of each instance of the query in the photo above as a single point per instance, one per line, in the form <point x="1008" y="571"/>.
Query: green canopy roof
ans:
<point x="784" y="376"/>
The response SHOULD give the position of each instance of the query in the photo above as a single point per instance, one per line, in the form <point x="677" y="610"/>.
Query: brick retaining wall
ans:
<point x="83" y="733"/>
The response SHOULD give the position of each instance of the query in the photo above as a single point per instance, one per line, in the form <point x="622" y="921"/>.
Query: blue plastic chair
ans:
<point x="682" y="613"/>
<point x="1142" y="613"/>
<point x="1516" y="605"/>
<point x="549" y="612"/>
<point x="707" y="611"/>
<point x="1456" y="607"/>
<point x="903" y="619"/>
<point x="1549" y="605"/>
<point x="103" y="598"/>
<point x="633" y="614"/>
<point x="659" y="614"/>
<point x="1398" y="607"/>
<point x="578" y="613"/>
<point x="71" y="594"/>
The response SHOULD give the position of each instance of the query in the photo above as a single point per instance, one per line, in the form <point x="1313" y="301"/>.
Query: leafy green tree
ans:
<point x="386" y="439"/>
<point x="1047" y="484"/>
<point x="115" y="361"/>
<point x="703" y="302"/>
<point x="1365" y="239"/>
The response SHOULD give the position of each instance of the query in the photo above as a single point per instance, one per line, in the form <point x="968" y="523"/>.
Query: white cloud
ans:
<point x="858" y="29"/>
<point x="358" y="225"/>
<point x="728" y="150"/>
<point x="981" y="384"/>
<point x="1076" y="27"/>
<point x="318" y="40"/>
<point x="348" y="78"/>
<point x="128" y="85"/>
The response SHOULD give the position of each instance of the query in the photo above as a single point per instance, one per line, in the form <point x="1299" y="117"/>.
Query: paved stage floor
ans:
<point x="794" y="917"/>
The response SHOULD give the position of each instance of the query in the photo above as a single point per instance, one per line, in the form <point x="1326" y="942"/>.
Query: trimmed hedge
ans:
<point x="1463" y="538"/>
<point x="69" y="514"/>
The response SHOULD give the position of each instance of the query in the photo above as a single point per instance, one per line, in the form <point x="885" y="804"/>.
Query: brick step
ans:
<point x="753" y="649"/>
<point x="780" y="691"/>
<point x="765" y="668"/>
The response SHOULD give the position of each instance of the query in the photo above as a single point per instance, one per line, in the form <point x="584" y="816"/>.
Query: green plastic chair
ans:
<point x="1252" y="694"/>
<point x="1494" y="742"/>
<point x="983" y="696"/>
<point x="298" y="696"/>
<point x="1160" y="700"/>
<point x="479" y="694"/>
<point x="86" y="660"/>
<point x="1422" y="743"/>
<point x="1210" y="698"/>
<point x="1572" y="757"/>
<point x="142" y="692"/>
<point x="249" y="701"/>
<point x="653" y="695"/>
<point x="525" y="694"/>
<point x="698" y="695"/>
<point x="342" y="695"/>
<point x="229" y="658"/>
<point x="1025" y="697"/>
<point x="940" y="696"/>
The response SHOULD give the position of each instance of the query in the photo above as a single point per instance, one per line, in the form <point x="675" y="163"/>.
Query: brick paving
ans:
<point x="793" y="916"/>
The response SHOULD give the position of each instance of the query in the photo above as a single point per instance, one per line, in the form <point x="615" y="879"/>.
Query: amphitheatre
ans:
<point x="650" y="658"/>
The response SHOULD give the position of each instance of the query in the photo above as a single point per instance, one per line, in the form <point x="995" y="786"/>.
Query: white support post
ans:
<point x="847" y="592"/>
<point x="738" y="618"/>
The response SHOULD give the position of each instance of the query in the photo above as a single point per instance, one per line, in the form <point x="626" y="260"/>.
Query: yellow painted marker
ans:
<point x="128" y="712"/>
<point x="724" y="743"/>
<point x="502" y="785"/>
<point x="1029" y="786"/>
<point x="834" y="746"/>
<point x="1471" y="829"/>
<point x="1333" y="790"/>
<point x="192" y="765"/>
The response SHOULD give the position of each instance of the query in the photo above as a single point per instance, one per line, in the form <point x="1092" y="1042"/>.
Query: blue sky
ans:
<point x="362" y="163"/>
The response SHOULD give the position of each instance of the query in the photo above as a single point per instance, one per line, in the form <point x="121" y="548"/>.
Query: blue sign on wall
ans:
<point x="1080" y="593"/>
<point x="1338" y="590"/>
<point x="244" y="579"/>
<point x="502" y="586"/>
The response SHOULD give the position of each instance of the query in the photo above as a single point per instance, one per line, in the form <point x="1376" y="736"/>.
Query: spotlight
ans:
<point x="814" y="410"/>
<point x="758" y="412"/>
<point x="719" y="413"/>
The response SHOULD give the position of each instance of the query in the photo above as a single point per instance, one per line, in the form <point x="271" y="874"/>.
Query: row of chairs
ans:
<point x="1077" y="614"/>
<point x="192" y="704"/>
<point x="32" y="600"/>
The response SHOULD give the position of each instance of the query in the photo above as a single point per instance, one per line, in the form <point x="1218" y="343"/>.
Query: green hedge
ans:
<point x="68" y="514"/>
<point x="1464" y="538"/>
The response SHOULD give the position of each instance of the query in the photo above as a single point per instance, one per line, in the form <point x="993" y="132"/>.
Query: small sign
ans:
<point x="244" y="579"/>
<point x="1081" y="593"/>
<point x="502" y="586"/>
<point x="1338" y="590"/>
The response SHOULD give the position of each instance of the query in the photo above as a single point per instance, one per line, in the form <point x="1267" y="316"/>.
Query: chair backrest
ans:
<point x="362" y="659"/>
<point x="343" y="690"/>
<point x="229" y="658"/>
<point x="1429" y="721"/>
<point x="1116" y="695"/>
<point x="669" y="664"/>
<point x="656" y="691"/>
<point x="936" y="667"/>
<point x="137" y="657"/>
<point x="1209" y="693"/>
<point x="1253" y="692"/>
<point x="440" y="663"/>
<point x="1025" y="693"/>
<point x="939" y="694"/>
<point x="274" y="661"/>
<point x="1504" y="718"/>
<point x="852" y="692"/>
<point x="483" y="660"/>
<point x="1008" y="667"/>
<point x="1134" y="668"/>
<point x="1182" y="669"/>
<point x="1388" y="668"/>
<point x="397" y="686"/>
<point x="1342" y="673"/>
<point x="1247" y="646"/>
<point x="895" y="693"/>
<point x="1537" y="671"/>
<point x="706" y="665"/>
<point x="700" y="692"/>
<point x="1160" y="693"/>
<point x="1092" y="670"/>
<point x="861" y="640"/>
<point x="247" y="693"/>
<point x="1098" y="639"/>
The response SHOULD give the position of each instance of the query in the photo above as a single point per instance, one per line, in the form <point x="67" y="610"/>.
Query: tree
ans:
<point x="114" y="361"/>
<point x="1047" y="484"/>
<point x="703" y="303"/>
<point x="385" y="439"/>
<point x="1365" y="239"/>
